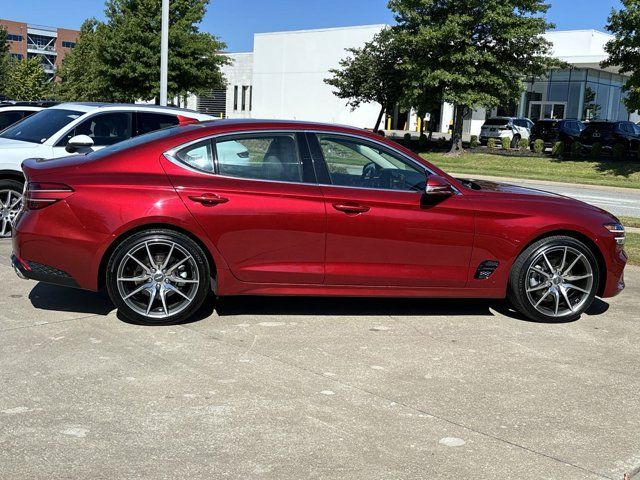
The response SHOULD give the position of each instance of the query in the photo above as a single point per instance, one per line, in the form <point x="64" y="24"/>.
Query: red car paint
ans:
<point x="278" y="238"/>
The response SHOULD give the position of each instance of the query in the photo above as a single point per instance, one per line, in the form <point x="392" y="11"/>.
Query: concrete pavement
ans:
<point x="619" y="201"/>
<point x="315" y="388"/>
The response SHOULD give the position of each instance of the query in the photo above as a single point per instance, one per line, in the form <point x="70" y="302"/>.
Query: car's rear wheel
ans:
<point x="158" y="277"/>
<point x="554" y="279"/>
<point x="10" y="204"/>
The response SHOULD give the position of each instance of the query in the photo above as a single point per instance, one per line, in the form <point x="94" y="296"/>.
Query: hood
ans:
<point x="7" y="143"/>
<point x="530" y="194"/>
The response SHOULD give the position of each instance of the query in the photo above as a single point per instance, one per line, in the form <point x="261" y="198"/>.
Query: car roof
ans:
<point x="87" y="107"/>
<point x="9" y="108"/>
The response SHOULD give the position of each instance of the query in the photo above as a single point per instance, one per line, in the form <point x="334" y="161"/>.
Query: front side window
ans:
<point x="40" y="127"/>
<point x="260" y="157"/>
<point x="352" y="163"/>
<point x="104" y="129"/>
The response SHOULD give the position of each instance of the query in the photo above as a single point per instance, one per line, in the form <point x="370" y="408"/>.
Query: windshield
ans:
<point x="40" y="127"/>
<point x="497" y="121"/>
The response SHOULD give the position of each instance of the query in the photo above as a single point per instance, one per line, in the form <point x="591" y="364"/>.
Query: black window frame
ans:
<point x="135" y="128"/>
<point x="322" y="169"/>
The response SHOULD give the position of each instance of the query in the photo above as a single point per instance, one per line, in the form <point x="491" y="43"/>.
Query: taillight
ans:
<point x="39" y="195"/>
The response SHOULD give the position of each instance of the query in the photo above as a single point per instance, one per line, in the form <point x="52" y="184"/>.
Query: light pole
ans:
<point x="164" y="52"/>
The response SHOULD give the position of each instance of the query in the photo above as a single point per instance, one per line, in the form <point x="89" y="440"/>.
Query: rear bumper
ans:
<point x="41" y="273"/>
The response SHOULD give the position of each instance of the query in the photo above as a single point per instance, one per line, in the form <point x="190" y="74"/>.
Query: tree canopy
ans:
<point x="4" y="58"/>
<point x="474" y="52"/>
<point x="26" y="80"/>
<point x="119" y="59"/>
<point x="371" y="74"/>
<point x="623" y="49"/>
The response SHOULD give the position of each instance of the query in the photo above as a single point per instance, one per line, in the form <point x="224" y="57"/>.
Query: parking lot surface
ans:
<point x="315" y="388"/>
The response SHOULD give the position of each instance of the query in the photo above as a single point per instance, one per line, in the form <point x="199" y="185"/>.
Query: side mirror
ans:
<point x="79" y="142"/>
<point x="438" y="187"/>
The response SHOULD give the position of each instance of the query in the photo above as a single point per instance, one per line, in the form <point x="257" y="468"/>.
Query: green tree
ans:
<point x="475" y="52"/>
<point x="371" y="74"/>
<point x="80" y="74"/>
<point x="26" y="80"/>
<point x="623" y="49"/>
<point x="4" y="58"/>
<point x="129" y="49"/>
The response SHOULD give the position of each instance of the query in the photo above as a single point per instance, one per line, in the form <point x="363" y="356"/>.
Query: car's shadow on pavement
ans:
<point x="50" y="297"/>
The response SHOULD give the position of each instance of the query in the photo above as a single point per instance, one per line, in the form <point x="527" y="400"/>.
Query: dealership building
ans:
<point x="283" y="78"/>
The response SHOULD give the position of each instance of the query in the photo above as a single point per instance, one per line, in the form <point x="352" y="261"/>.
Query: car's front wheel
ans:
<point x="554" y="279"/>
<point x="10" y="204"/>
<point x="158" y="277"/>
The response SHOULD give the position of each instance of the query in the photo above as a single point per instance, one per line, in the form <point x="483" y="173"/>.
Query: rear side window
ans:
<point x="105" y="129"/>
<point x="198" y="156"/>
<point x="260" y="157"/>
<point x="497" y="121"/>
<point x="150" y="122"/>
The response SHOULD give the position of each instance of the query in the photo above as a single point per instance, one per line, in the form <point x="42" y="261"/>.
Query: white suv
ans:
<point x="73" y="128"/>
<point x="506" y="127"/>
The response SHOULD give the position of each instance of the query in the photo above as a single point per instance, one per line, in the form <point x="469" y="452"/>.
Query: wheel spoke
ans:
<point x="4" y="231"/>
<point x="177" y="290"/>
<point x="563" y="291"/>
<point x="542" y="286"/>
<point x="580" y="277"/>
<point x="573" y="287"/>
<point x="163" y="295"/>
<point x="166" y="260"/>
<point x="170" y="271"/>
<point x="544" y="255"/>
<point x="573" y="264"/>
<point x="546" y="294"/>
<point x="541" y="272"/>
<point x="564" y="259"/>
<point x="152" y="297"/>
<point x="141" y="278"/>
<point x="137" y="290"/>
<point x="146" y="269"/>
<point x="557" y="297"/>
<point x="175" y="279"/>
<point x="151" y="262"/>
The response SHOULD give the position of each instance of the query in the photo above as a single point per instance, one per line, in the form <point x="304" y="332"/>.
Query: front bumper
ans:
<point x="42" y="273"/>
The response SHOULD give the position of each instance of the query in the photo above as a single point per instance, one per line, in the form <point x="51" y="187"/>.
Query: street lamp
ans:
<point x="164" y="53"/>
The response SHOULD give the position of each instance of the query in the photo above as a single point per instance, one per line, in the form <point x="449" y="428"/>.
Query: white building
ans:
<point x="283" y="78"/>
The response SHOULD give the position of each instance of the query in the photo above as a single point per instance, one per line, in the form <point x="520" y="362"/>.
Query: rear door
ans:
<point x="381" y="231"/>
<point x="256" y="196"/>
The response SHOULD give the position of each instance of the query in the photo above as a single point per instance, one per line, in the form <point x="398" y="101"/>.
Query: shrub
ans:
<point x="558" y="149"/>
<point x="523" y="143"/>
<point x="424" y="141"/>
<point x="619" y="151"/>
<point x="576" y="149"/>
<point x="382" y="133"/>
<point x="407" y="138"/>
<point x="538" y="146"/>
<point x="442" y="142"/>
<point x="596" y="149"/>
<point x="474" y="141"/>
<point x="491" y="143"/>
<point x="506" y="143"/>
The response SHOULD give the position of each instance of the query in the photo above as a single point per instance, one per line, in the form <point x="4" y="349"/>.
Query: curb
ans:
<point x="547" y="182"/>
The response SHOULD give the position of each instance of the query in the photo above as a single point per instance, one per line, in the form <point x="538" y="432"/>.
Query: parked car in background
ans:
<point x="11" y="113"/>
<point x="163" y="220"/>
<point x="73" y="128"/>
<point x="552" y="131"/>
<point x="609" y="134"/>
<point x="505" y="127"/>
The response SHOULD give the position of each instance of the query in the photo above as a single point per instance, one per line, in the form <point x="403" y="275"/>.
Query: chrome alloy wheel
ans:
<point x="10" y="205"/>
<point x="559" y="281"/>
<point x="158" y="278"/>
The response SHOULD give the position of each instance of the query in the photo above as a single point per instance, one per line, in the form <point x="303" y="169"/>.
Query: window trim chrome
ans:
<point x="171" y="155"/>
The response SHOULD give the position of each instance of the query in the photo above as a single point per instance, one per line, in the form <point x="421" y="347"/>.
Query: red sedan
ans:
<point x="286" y="208"/>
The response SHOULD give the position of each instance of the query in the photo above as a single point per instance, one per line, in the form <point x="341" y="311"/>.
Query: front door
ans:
<point x="258" y="204"/>
<point x="380" y="229"/>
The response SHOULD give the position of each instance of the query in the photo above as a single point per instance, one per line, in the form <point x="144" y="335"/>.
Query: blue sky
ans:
<point x="235" y="21"/>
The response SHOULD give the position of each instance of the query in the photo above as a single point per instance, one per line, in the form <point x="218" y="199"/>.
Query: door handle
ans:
<point x="351" y="207"/>
<point x="208" y="199"/>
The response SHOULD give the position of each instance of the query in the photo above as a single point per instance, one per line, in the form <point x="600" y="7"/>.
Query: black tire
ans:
<point x="200" y="263"/>
<point x="517" y="288"/>
<point x="16" y="187"/>
<point x="515" y="140"/>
